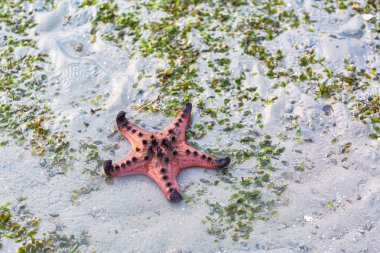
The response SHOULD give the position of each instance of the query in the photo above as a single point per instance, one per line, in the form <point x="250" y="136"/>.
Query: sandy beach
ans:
<point x="288" y="89"/>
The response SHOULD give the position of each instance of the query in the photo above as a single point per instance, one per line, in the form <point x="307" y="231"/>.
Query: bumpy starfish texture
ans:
<point x="161" y="156"/>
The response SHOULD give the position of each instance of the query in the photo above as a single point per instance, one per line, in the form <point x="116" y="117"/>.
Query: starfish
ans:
<point x="161" y="156"/>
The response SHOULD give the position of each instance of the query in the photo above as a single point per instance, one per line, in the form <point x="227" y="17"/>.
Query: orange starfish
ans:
<point x="161" y="156"/>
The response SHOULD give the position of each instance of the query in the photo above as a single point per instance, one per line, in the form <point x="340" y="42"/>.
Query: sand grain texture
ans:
<point x="131" y="215"/>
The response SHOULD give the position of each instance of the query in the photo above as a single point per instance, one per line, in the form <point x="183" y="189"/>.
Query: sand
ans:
<point x="131" y="214"/>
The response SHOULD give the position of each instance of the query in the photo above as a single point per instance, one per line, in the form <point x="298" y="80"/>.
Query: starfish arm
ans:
<point x="132" y="132"/>
<point x="132" y="164"/>
<point x="165" y="176"/>
<point x="177" y="127"/>
<point x="190" y="157"/>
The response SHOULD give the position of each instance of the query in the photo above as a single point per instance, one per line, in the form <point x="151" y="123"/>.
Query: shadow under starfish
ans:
<point x="161" y="156"/>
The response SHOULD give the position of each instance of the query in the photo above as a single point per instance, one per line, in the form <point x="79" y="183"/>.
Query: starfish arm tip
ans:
<point x="223" y="162"/>
<point x="107" y="167"/>
<point x="121" y="120"/>
<point x="175" y="196"/>
<point x="187" y="108"/>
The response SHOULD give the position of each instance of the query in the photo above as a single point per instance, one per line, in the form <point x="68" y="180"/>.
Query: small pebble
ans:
<point x="78" y="47"/>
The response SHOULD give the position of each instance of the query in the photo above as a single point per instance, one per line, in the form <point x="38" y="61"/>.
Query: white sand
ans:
<point x="133" y="216"/>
